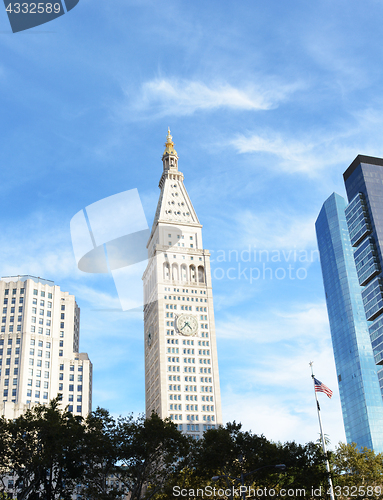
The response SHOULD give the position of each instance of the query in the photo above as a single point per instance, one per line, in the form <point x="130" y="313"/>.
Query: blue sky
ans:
<point x="268" y="103"/>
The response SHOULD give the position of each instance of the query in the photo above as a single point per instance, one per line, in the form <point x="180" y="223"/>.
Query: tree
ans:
<point x="229" y="452"/>
<point x="5" y="465"/>
<point x="150" y="450"/>
<point x="46" y="452"/>
<point x="305" y="467"/>
<point x="358" y="473"/>
<point x="101" y="450"/>
<point x="52" y="454"/>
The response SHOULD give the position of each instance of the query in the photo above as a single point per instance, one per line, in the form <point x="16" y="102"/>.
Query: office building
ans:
<point x="39" y="348"/>
<point x="350" y="237"/>
<point x="181" y="365"/>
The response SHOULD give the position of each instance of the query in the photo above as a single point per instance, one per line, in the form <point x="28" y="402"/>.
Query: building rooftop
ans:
<point x="370" y="160"/>
<point x="25" y="277"/>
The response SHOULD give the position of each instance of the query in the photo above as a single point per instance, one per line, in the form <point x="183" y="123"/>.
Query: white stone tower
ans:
<point x="181" y="364"/>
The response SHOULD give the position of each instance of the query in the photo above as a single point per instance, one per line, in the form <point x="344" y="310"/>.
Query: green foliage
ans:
<point x="354" y="470"/>
<point x="305" y="467"/>
<point x="5" y="464"/>
<point x="239" y="457"/>
<point x="150" y="450"/>
<point x="53" y="454"/>
<point x="46" y="452"/>
<point x="101" y="456"/>
<point x="228" y="450"/>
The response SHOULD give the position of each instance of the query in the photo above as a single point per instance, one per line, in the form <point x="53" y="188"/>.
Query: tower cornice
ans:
<point x="174" y="176"/>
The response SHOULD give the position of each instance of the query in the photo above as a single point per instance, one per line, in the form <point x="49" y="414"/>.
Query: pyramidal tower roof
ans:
<point x="174" y="205"/>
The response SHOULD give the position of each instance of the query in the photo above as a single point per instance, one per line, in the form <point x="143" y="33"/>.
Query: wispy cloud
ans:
<point x="291" y="150"/>
<point x="318" y="149"/>
<point x="275" y="230"/>
<point x="282" y="235"/>
<point x="303" y="321"/>
<point x="308" y="155"/>
<point x="180" y="97"/>
<point x="286" y="365"/>
<point x="97" y="299"/>
<point x="43" y="250"/>
<point x="270" y="391"/>
<point x="283" y="418"/>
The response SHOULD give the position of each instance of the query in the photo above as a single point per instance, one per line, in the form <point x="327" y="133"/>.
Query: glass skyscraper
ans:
<point x="350" y="239"/>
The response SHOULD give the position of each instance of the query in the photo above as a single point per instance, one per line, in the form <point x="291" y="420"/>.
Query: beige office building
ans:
<point x="39" y="348"/>
<point x="181" y="365"/>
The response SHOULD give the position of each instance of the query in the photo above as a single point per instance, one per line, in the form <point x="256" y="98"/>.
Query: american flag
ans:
<point x="320" y="387"/>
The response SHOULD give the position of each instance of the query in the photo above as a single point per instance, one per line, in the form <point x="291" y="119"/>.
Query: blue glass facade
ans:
<point x="343" y="271"/>
<point x="364" y="181"/>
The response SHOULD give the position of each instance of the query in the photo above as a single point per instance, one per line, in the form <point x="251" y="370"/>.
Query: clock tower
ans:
<point x="181" y="364"/>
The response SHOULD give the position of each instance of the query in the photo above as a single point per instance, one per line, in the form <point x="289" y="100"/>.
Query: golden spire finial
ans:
<point x="169" y="145"/>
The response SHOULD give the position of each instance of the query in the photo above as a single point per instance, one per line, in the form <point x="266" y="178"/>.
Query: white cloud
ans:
<point x="270" y="390"/>
<point x="291" y="150"/>
<point x="97" y="299"/>
<point x="43" y="250"/>
<point x="285" y="418"/>
<point x="285" y="367"/>
<point x="253" y="236"/>
<point x="310" y="155"/>
<point x="306" y="320"/>
<point x="314" y="151"/>
<point x="275" y="230"/>
<point x="163" y="96"/>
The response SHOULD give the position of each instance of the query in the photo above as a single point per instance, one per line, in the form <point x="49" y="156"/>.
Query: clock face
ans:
<point x="149" y="336"/>
<point x="187" y="324"/>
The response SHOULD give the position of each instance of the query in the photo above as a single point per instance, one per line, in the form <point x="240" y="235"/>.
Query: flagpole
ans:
<point x="322" y="435"/>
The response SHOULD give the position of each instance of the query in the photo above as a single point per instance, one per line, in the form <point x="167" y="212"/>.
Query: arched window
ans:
<point x="145" y="293"/>
<point x="175" y="272"/>
<point x="184" y="273"/>
<point x="193" y="274"/>
<point x="201" y="274"/>
<point x="166" y="271"/>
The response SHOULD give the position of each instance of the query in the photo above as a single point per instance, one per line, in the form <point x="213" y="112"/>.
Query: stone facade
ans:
<point x="181" y="364"/>
<point x="39" y="348"/>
